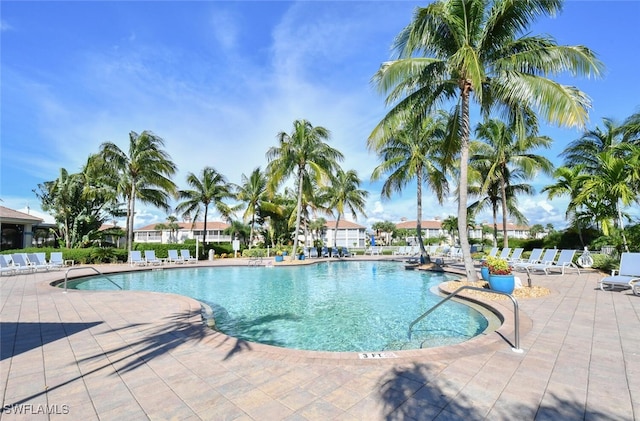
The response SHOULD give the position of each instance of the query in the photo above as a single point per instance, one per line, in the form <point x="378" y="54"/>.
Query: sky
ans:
<point x="219" y="80"/>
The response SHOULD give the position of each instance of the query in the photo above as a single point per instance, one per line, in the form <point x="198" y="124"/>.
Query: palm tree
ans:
<point x="508" y="155"/>
<point x="345" y="193"/>
<point x="252" y="192"/>
<point x="408" y="149"/>
<point x="211" y="188"/>
<point x="467" y="50"/>
<point x="142" y="173"/>
<point x="171" y="225"/>
<point x="491" y="196"/>
<point x="305" y="155"/>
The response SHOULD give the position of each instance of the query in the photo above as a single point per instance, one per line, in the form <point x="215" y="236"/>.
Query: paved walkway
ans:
<point x="134" y="356"/>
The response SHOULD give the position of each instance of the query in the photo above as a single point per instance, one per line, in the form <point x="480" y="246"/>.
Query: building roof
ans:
<point x="430" y="224"/>
<point x="187" y="226"/>
<point x="342" y="224"/>
<point x="13" y="216"/>
<point x="438" y="225"/>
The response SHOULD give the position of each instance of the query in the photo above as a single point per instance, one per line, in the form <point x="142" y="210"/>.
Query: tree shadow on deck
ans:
<point x="422" y="393"/>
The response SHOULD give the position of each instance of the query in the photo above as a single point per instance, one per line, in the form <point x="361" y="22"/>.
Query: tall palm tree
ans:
<point x="505" y="151"/>
<point x="465" y="50"/>
<point x="210" y="188"/>
<point x="305" y="155"/>
<point x="409" y="148"/>
<point x="345" y="194"/>
<point x="252" y="191"/>
<point x="143" y="173"/>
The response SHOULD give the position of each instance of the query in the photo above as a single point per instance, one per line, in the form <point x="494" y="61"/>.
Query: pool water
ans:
<point x="333" y="306"/>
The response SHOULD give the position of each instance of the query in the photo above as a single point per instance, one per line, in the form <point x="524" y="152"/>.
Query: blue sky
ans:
<point x="219" y="80"/>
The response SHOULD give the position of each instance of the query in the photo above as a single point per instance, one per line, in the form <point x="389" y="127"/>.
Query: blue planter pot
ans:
<point x="484" y="272"/>
<point x="502" y="283"/>
<point x="301" y="257"/>
<point x="279" y="259"/>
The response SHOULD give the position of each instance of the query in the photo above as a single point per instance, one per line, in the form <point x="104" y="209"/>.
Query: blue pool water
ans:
<point x="334" y="306"/>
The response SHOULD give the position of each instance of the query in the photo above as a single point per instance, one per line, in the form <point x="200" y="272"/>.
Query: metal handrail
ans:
<point x="516" y="315"/>
<point x="66" y="275"/>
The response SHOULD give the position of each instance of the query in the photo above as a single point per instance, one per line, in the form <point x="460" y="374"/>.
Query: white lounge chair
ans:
<point x="151" y="259"/>
<point x="55" y="259"/>
<point x="34" y="260"/>
<point x="186" y="255"/>
<point x="173" y="257"/>
<point x="534" y="258"/>
<point x="547" y="260"/>
<point x="504" y="254"/>
<point x="516" y="255"/>
<point x="5" y="266"/>
<point x="135" y="258"/>
<point x="20" y="262"/>
<point x="628" y="276"/>
<point x="313" y="252"/>
<point x="565" y="260"/>
<point x="402" y="250"/>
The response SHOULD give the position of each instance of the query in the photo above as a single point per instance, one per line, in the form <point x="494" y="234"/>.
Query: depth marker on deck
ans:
<point x="376" y="355"/>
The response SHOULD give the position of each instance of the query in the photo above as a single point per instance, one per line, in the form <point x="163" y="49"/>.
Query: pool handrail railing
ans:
<point x="516" y="316"/>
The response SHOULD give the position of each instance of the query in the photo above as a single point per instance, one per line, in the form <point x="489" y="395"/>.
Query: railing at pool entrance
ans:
<point x="66" y="275"/>
<point x="516" y="316"/>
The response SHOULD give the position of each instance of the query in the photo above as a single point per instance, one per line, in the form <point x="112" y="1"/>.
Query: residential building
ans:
<point x="18" y="229"/>
<point x="433" y="229"/>
<point x="186" y="230"/>
<point x="349" y="234"/>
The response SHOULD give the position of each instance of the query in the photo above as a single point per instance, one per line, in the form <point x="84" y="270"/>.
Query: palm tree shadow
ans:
<point x="420" y="392"/>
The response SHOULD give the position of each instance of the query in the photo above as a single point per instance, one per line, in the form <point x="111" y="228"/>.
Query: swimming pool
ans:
<point x="364" y="306"/>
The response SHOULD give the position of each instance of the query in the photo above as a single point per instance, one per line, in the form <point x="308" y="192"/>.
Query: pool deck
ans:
<point x="127" y="355"/>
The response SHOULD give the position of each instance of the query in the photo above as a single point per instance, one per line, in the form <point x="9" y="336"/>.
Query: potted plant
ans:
<point x="500" y="276"/>
<point x="301" y="255"/>
<point x="279" y="257"/>
<point x="484" y="270"/>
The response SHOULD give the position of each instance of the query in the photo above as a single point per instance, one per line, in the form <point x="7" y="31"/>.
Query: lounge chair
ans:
<point x="504" y="254"/>
<point x="174" y="258"/>
<point x="547" y="260"/>
<point x="34" y="260"/>
<point x="20" y="262"/>
<point x="534" y="258"/>
<point x="313" y="252"/>
<point x="135" y="258"/>
<point x="151" y="259"/>
<point x="186" y="255"/>
<point x="5" y="267"/>
<point x="55" y="259"/>
<point x="493" y="252"/>
<point x="346" y="252"/>
<point x="515" y="256"/>
<point x="565" y="260"/>
<point x="335" y="252"/>
<point x="324" y="252"/>
<point x="628" y="276"/>
<point x="402" y="250"/>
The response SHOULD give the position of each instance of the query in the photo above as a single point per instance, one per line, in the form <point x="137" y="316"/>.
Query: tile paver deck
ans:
<point x="138" y="355"/>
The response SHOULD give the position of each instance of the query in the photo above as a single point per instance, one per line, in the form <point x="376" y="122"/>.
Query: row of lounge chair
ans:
<point x="150" y="259"/>
<point x="17" y="263"/>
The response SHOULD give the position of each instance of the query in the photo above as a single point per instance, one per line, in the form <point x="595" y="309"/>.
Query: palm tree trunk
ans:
<point x="624" y="237"/>
<point x="298" y="212"/>
<point x="423" y="251"/>
<point x="131" y="209"/>
<point x="503" y="193"/>
<point x="204" y="232"/>
<point x="462" y="202"/>
<point x="253" y="221"/>
<point x="495" y="226"/>
<point x="335" y="233"/>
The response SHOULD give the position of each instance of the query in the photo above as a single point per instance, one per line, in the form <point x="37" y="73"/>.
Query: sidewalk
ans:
<point x="137" y="355"/>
